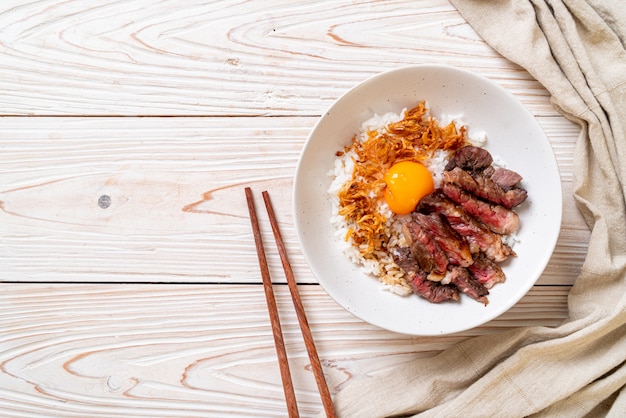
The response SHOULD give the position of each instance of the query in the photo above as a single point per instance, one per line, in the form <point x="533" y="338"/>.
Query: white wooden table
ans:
<point x="128" y="132"/>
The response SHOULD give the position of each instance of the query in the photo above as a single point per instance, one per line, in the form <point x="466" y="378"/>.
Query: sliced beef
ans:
<point x="486" y="271"/>
<point x="451" y="242"/>
<point x="404" y="259"/>
<point x="478" y="236"/>
<point x="432" y="291"/>
<point x="470" y="158"/>
<point x="506" y="178"/>
<point x="497" y="218"/>
<point x="484" y="187"/>
<point x="455" y="235"/>
<point x="427" y="253"/>
<point x="438" y="202"/>
<point x="481" y="239"/>
<point x="466" y="283"/>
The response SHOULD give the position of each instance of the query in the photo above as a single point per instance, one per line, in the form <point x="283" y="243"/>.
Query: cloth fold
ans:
<point x="576" y="50"/>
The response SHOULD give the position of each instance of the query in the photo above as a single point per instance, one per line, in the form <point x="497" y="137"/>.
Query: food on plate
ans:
<point x="480" y="238"/>
<point x="422" y="206"/>
<point x="406" y="183"/>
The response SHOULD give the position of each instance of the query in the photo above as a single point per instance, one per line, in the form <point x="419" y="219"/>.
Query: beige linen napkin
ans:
<point x="575" y="48"/>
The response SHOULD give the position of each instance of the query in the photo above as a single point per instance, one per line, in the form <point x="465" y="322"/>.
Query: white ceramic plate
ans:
<point x="513" y="135"/>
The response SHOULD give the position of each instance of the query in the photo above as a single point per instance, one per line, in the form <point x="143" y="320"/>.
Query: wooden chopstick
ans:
<point x="297" y="303"/>
<point x="290" y="396"/>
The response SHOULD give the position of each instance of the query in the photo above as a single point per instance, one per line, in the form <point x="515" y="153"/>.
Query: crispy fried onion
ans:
<point x="415" y="138"/>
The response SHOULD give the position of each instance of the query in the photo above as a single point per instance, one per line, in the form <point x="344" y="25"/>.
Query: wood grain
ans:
<point x="177" y="210"/>
<point x="229" y="57"/>
<point x="197" y="351"/>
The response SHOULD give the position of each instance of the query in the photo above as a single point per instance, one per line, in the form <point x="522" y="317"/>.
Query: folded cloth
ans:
<point x="576" y="50"/>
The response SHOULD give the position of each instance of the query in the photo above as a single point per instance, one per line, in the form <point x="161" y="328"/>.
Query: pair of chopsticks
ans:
<point x="322" y="387"/>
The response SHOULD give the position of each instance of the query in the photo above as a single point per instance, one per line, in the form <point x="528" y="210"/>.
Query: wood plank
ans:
<point x="177" y="209"/>
<point x="196" y="351"/>
<point x="227" y="58"/>
<point x="571" y="248"/>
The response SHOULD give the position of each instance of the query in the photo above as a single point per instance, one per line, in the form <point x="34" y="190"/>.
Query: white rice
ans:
<point x="383" y="266"/>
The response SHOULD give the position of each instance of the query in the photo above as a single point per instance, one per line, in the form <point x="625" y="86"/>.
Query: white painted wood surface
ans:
<point x="153" y="306"/>
<point x="195" y="351"/>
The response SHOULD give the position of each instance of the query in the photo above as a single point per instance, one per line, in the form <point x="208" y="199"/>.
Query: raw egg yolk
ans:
<point x="407" y="182"/>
